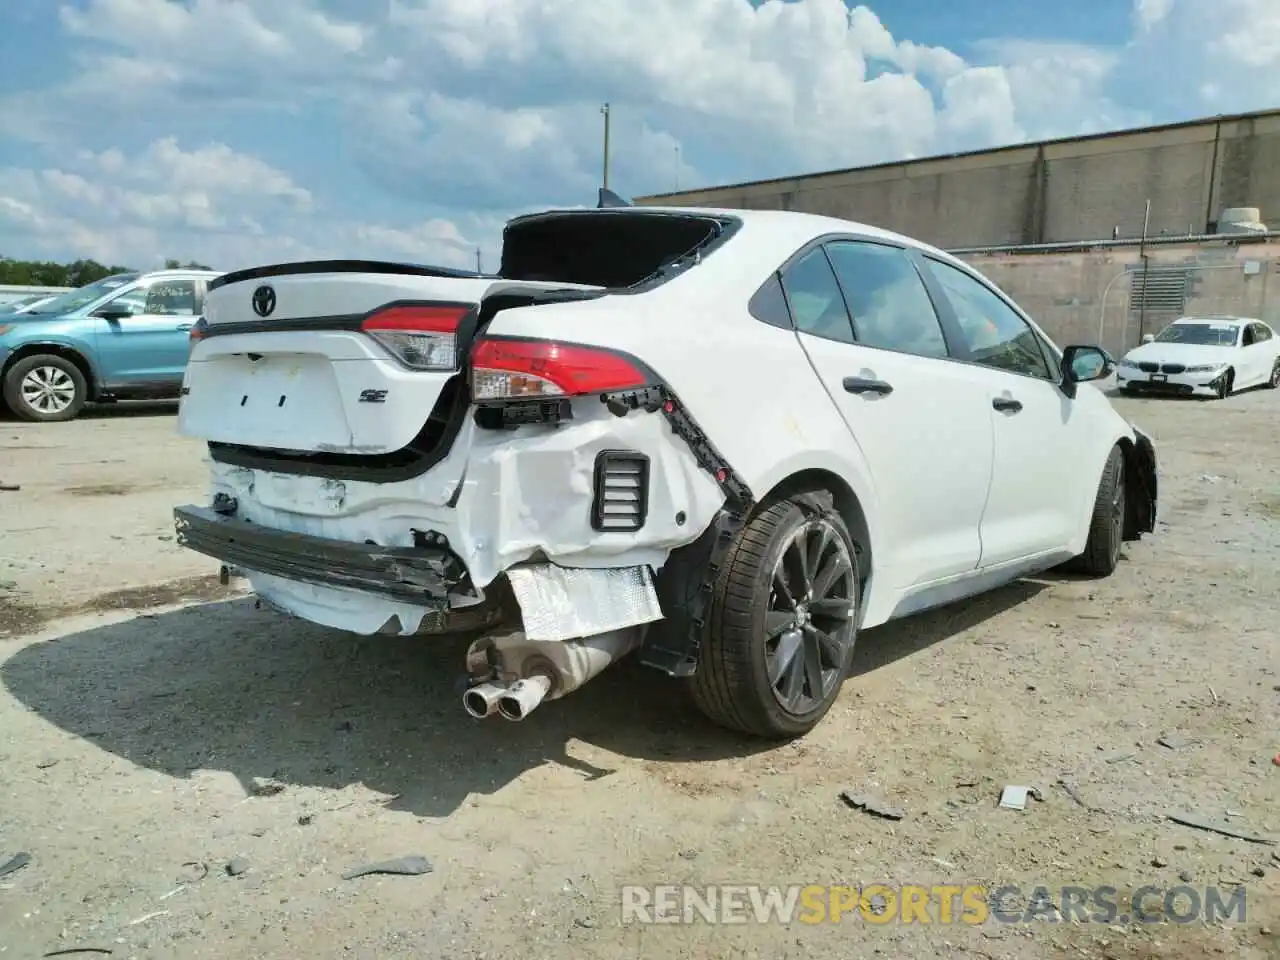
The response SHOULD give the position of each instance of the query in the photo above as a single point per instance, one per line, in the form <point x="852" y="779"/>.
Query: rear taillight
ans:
<point x="504" y="369"/>
<point x="199" y="330"/>
<point x="421" y="336"/>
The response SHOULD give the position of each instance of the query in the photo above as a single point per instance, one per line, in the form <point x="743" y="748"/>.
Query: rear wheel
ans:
<point x="1274" y="380"/>
<point x="782" y="623"/>
<point x="1106" y="526"/>
<point x="45" y="388"/>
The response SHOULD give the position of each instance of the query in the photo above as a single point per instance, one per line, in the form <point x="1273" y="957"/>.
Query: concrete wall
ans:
<point x="1058" y="191"/>
<point x="1084" y="297"/>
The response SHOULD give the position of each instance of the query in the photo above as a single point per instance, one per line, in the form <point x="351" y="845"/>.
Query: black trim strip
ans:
<point x="344" y="266"/>
<point x="415" y="575"/>
<point x="341" y="321"/>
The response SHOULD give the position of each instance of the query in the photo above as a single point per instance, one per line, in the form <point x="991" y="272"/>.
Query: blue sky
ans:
<point x="243" y="131"/>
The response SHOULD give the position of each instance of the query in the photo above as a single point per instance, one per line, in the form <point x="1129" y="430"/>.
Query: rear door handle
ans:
<point x="185" y="326"/>
<point x="859" y="385"/>
<point x="1006" y="404"/>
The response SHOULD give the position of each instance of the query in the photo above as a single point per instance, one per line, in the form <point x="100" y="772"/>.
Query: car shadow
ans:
<point x="130" y="408"/>
<point x="230" y="687"/>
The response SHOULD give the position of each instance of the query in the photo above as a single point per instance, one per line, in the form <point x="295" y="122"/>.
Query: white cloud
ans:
<point x="208" y="203"/>
<point x="467" y="110"/>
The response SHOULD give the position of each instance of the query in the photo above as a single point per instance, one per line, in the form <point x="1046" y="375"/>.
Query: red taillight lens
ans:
<point x="528" y="369"/>
<point x="422" y="336"/>
<point x="198" y="331"/>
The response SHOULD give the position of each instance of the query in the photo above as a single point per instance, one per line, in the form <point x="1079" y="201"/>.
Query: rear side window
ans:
<point x="890" y="306"/>
<point x="817" y="306"/>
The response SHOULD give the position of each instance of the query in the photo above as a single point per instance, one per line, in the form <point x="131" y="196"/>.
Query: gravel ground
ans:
<point x="140" y="704"/>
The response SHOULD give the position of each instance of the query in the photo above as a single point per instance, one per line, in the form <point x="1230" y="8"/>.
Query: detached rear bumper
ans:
<point x="423" y="576"/>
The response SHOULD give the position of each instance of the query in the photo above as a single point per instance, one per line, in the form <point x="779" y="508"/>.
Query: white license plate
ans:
<point x="1158" y="378"/>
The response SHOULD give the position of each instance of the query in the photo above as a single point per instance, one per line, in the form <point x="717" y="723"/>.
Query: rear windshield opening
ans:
<point x="602" y="248"/>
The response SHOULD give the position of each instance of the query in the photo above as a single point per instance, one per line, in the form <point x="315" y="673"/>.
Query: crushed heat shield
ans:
<point x="563" y="603"/>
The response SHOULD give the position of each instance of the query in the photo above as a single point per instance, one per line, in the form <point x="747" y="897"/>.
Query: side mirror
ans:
<point x="1081" y="364"/>
<point x="112" y="313"/>
<point x="1148" y="338"/>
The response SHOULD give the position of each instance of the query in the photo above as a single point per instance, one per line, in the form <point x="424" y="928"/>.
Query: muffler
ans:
<point x="515" y="675"/>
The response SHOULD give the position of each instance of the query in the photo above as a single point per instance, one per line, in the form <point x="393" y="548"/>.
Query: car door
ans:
<point x="1269" y="348"/>
<point x="143" y="342"/>
<point x="921" y="421"/>
<point x="1041" y="435"/>
<point x="1257" y="354"/>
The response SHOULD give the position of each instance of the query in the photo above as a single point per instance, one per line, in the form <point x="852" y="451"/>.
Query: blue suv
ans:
<point x="125" y="337"/>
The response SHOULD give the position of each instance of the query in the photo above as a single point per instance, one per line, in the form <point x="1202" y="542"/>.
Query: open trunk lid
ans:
<point x="346" y="359"/>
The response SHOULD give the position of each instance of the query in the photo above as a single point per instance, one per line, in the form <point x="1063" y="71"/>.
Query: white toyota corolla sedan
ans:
<point x="1204" y="356"/>
<point x="723" y="441"/>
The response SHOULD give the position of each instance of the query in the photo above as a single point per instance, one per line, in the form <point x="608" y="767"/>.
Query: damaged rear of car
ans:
<point x="411" y="450"/>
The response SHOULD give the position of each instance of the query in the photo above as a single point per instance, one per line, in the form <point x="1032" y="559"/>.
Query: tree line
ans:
<point x="46" y="273"/>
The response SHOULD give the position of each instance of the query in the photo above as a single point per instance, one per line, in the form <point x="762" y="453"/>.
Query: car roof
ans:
<point x="193" y="272"/>
<point x="1214" y="320"/>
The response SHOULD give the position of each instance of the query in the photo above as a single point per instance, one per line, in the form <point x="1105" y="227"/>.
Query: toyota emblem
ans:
<point x="264" y="301"/>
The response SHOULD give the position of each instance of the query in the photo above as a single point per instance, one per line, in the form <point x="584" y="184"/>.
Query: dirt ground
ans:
<point x="139" y="701"/>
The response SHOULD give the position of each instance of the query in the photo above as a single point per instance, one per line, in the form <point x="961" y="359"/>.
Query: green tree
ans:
<point x="45" y="273"/>
<point x="191" y="265"/>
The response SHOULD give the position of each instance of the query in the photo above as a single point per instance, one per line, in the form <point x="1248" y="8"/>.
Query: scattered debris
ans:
<point x="1121" y="758"/>
<point x="1015" y="798"/>
<point x="266" y="787"/>
<point x="1203" y="823"/>
<point x="411" y="866"/>
<point x="870" y="805"/>
<point x="237" y="866"/>
<point x="1159" y="862"/>
<point x="46" y="763"/>
<point x="1175" y="742"/>
<point x="688" y="854"/>
<point x="14" y="864"/>
<point x="1213" y="693"/>
<point x="1184" y="876"/>
<point x="1258" y="872"/>
<point x="1276" y="759"/>
<point x="200" y="871"/>
<point x="11" y="488"/>
<point x="585" y="922"/>
<point x="1073" y="791"/>
<point x="149" y="916"/>
<point x="68" y="951"/>
<point x="306" y="819"/>
<point x="944" y="864"/>
<point x="966" y="783"/>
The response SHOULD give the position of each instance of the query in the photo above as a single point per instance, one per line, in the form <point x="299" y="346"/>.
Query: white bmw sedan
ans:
<point x="1204" y="356"/>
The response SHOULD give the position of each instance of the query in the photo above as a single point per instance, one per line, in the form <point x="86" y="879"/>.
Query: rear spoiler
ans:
<point x="344" y="266"/>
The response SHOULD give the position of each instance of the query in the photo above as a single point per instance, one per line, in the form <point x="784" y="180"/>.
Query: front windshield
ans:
<point x="1201" y="334"/>
<point x="81" y="296"/>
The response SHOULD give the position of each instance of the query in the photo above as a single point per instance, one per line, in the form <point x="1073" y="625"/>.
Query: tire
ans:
<point x="1106" y="526"/>
<point x="1274" y="382"/>
<point x="746" y="635"/>
<point x="1226" y="385"/>
<point x="45" y="388"/>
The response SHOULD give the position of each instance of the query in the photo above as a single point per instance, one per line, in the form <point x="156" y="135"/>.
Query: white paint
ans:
<point x="951" y="489"/>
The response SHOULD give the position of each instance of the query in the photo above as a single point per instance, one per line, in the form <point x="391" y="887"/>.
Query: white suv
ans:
<point x="728" y="440"/>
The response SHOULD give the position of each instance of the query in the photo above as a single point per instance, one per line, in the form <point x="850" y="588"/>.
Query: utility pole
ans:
<point x="478" y="267"/>
<point x="605" y="110"/>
